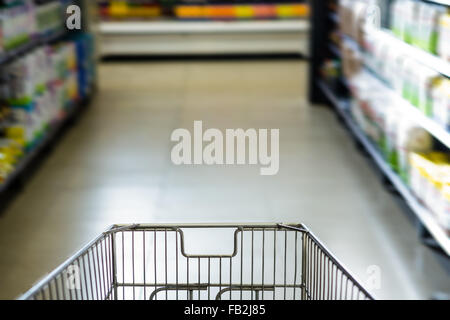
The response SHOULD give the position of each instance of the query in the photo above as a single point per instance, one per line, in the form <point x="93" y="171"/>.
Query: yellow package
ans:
<point x="17" y="134"/>
<point x="189" y="11"/>
<point x="118" y="9"/>
<point x="244" y="12"/>
<point x="285" y="11"/>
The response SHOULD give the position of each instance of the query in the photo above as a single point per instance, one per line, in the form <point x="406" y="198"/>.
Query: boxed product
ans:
<point x="426" y="81"/>
<point x="410" y="138"/>
<point x="430" y="182"/>
<point x="411" y="17"/>
<point x="443" y="47"/>
<point x="441" y="102"/>
<point x="427" y="28"/>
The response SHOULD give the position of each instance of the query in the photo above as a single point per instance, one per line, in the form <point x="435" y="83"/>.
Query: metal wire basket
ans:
<point x="201" y="262"/>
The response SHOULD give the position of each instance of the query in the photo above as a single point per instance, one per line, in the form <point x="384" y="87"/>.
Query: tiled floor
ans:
<point x="114" y="167"/>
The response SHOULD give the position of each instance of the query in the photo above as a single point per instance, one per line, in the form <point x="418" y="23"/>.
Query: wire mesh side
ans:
<point x="140" y="262"/>
<point x="86" y="276"/>
<point x="265" y="263"/>
<point x="325" y="278"/>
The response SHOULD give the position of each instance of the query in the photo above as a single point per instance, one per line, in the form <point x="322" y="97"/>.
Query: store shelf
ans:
<point x="33" y="43"/>
<point x="431" y="61"/>
<point x="50" y="136"/>
<point x="203" y="27"/>
<point x="422" y="213"/>
<point x="443" y="2"/>
<point x="427" y="123"/>
<point x="204" y="37"/>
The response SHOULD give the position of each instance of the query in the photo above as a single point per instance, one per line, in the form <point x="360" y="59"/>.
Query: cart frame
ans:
<point x="101" y="265"/>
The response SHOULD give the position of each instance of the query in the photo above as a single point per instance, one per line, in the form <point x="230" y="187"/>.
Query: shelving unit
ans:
<point x="49" y="138"/>
<point x="421" y="56"/>
<point x="321" y="92"/>
<point x="57" y="126"/>
<point x="444" y="2"/>
<point x="204" y="37"/>
<point x="10" y="55"/>
<point x="422" y="213"/>
<point x="434" y="128"/>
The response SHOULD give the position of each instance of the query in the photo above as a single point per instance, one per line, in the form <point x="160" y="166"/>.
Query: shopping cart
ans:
<point x="201" y="262"/>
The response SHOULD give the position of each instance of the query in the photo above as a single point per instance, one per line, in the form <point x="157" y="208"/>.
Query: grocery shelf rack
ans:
<point x="341" y="106"/>
<point x="425" y="58"/>
<point x="54" y="133"/>
<point x="444" y="2"/>
<point x="323" y="21"/>
<point x="44" y="144"/>
<point x="219" y="27"/>
<point x="11" y="55"/>
<point x="168" y="37"/>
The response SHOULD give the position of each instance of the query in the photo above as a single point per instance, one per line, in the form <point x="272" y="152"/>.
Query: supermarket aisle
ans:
<point x="114" y="167"/>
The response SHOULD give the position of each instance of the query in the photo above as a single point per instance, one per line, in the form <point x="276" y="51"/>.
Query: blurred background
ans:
<point x="359" y="89"/>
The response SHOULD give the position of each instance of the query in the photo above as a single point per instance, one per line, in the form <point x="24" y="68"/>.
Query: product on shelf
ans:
<point x="49" y="17"/>
<point x="203" y="10"/>
<point x="390" y="84"/>
<point x="37" y="87"/>
<point x="17" y="23"/>
<point x="430" y="182"/>
<point x="423" y="87"/>
<point x="352" y="60"/>
<point x="23" y="20"/>
<point x="352" y="17"/>
<point x="441" y="105"/>
<point x="139" y="9"/>
<point x="443" y="46"/>
<point x="242" y="11"/>
<point x="36" y="90"/>
<point x="376" y="110"/>
<point x="422" y="24"/>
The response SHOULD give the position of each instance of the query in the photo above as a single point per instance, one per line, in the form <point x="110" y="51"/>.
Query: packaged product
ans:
<point x="393" y="116"/>
<point x="49" y="17"/>
<point x="344" y="13"/>
<point x="394" y="68"/>
<point x="17" y="23"/>
<point x="443" y="47"/>
<point x="359" y="9"/>
<point x="411" y="138"/>
<point x="426" y="80"/>
<point x="443" y="214"/>
<point x="430" y="181"/>
<point x="410" y="84"/>
<point x="411" y="17"/>
<point x="380" y="105"/>
<point x="441" y="102"/>
<point x="427" y="33"/>
<point x="398" y="21"/>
